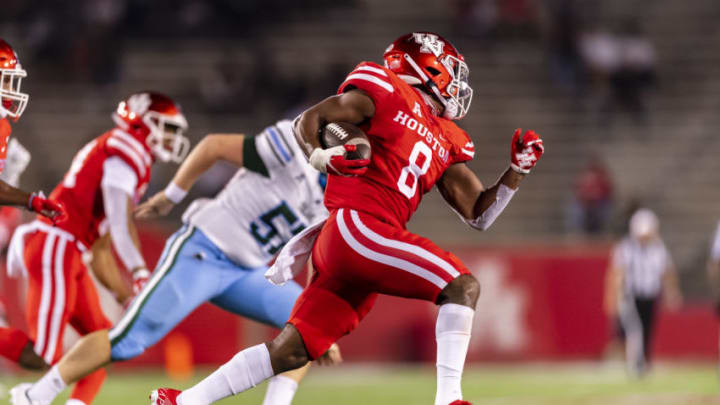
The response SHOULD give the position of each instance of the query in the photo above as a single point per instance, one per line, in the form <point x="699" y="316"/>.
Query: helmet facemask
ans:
<point x="12" y="100"/>
<point x="459" y="93"/>
<point x="166" y="139"/>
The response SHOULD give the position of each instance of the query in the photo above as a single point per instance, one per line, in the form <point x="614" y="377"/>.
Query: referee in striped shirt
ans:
<point x="641" y="270"/>
<point x="714" y="268"/>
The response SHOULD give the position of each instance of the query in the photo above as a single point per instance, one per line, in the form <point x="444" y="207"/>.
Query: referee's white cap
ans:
<point x="643" y="223"/>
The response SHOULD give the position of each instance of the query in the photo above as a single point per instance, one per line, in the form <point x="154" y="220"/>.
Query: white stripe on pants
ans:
<point x="46" y="296"/>
<point x="59" y="302"/>
<point x="53" y="300"/>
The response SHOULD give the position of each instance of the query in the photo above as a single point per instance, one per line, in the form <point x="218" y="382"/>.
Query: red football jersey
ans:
<point x="411" y="148"/>
<point x="5" y="131"/>
<point x="80" y="191"/>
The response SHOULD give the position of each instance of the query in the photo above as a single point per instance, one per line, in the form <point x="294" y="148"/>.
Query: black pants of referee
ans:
<point x="637" y="320"/>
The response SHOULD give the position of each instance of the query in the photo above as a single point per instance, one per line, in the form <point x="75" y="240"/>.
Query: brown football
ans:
<point x="342" y="133"/>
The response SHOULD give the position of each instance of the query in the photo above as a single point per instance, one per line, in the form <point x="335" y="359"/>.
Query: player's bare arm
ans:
<point x="354" y="106"/>
<point x="213" y="148"/>
<point x="462" y="189"/>
<point x="10" y="195"/>
<point x="480" y="207"/>
<point x="102" y="263"/>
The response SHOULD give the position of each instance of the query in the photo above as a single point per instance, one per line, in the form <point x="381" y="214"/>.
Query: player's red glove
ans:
<point x="333" y="160"/>
<point x="525" y="150"/>
<point x="51" y="209"/>
<point x="140" y="278"/>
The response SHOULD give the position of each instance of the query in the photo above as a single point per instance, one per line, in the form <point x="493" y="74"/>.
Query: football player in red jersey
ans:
<point x="107" y="177"/>
<point x="363" y="249"/>
<point x="15" y="344"/>
<point x="12" y="105"/>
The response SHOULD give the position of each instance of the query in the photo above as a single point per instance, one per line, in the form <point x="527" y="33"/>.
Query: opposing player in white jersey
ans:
<point x="222" y="250"/>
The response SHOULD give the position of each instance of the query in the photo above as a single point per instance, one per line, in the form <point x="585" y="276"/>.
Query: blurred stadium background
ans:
<point x="624" y="92"/>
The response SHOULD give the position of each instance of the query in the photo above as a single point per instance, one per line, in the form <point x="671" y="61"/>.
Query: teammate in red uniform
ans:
<point x="363" y="249"/>
<point x="15" y="344"/>
<point x="107" y="178"/>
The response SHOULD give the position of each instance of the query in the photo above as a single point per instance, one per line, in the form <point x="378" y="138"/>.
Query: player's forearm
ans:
<point x="354" y="107"/>
<point x="491" y="202"/>
<point x="511" y="179"/>
<point x="307" y="127"/>
<point x="202" y="158"/>
<point x="10" y="195"/>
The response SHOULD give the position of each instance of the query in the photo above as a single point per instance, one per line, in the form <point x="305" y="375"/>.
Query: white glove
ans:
<point x="333" y="161"/>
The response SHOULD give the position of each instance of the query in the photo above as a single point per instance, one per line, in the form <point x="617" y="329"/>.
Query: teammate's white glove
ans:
<point x="333" y="161"/>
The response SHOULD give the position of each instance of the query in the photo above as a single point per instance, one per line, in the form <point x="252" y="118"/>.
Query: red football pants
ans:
<point x="60" y="291"/>
<point x="357" y="256"/>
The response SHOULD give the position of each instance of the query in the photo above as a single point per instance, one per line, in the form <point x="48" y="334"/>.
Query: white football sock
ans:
<point x="245" y="370"/>
<point x="452" y="332"/>
<point x="48" y="387"/>
<point x="280" y="391"/>
<point x="73" y="401"/>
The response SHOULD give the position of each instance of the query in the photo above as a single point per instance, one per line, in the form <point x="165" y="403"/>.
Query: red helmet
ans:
<point x="157" y="120"/>
<point x="427" y="59"/>
<point x="12" y="101"/>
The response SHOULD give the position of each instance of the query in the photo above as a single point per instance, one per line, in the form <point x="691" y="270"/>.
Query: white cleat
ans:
<point x="19" y="395"/>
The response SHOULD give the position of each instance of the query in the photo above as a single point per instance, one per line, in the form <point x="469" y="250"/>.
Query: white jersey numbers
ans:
<point x="407" y="183"/>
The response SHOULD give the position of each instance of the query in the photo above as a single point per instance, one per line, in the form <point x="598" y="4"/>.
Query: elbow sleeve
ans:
<point x="488" y="217"/>
<point x="116" y="211"/>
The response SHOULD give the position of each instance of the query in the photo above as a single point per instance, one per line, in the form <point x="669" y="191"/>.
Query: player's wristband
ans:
<point x="174" y="193"/>
<point x="319" y="159"/>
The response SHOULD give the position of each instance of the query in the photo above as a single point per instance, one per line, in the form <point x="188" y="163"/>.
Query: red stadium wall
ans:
<point x="537" y="304"/>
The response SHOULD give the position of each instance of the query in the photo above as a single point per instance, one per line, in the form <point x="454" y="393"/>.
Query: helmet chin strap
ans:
<point x="429" y="101"/>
